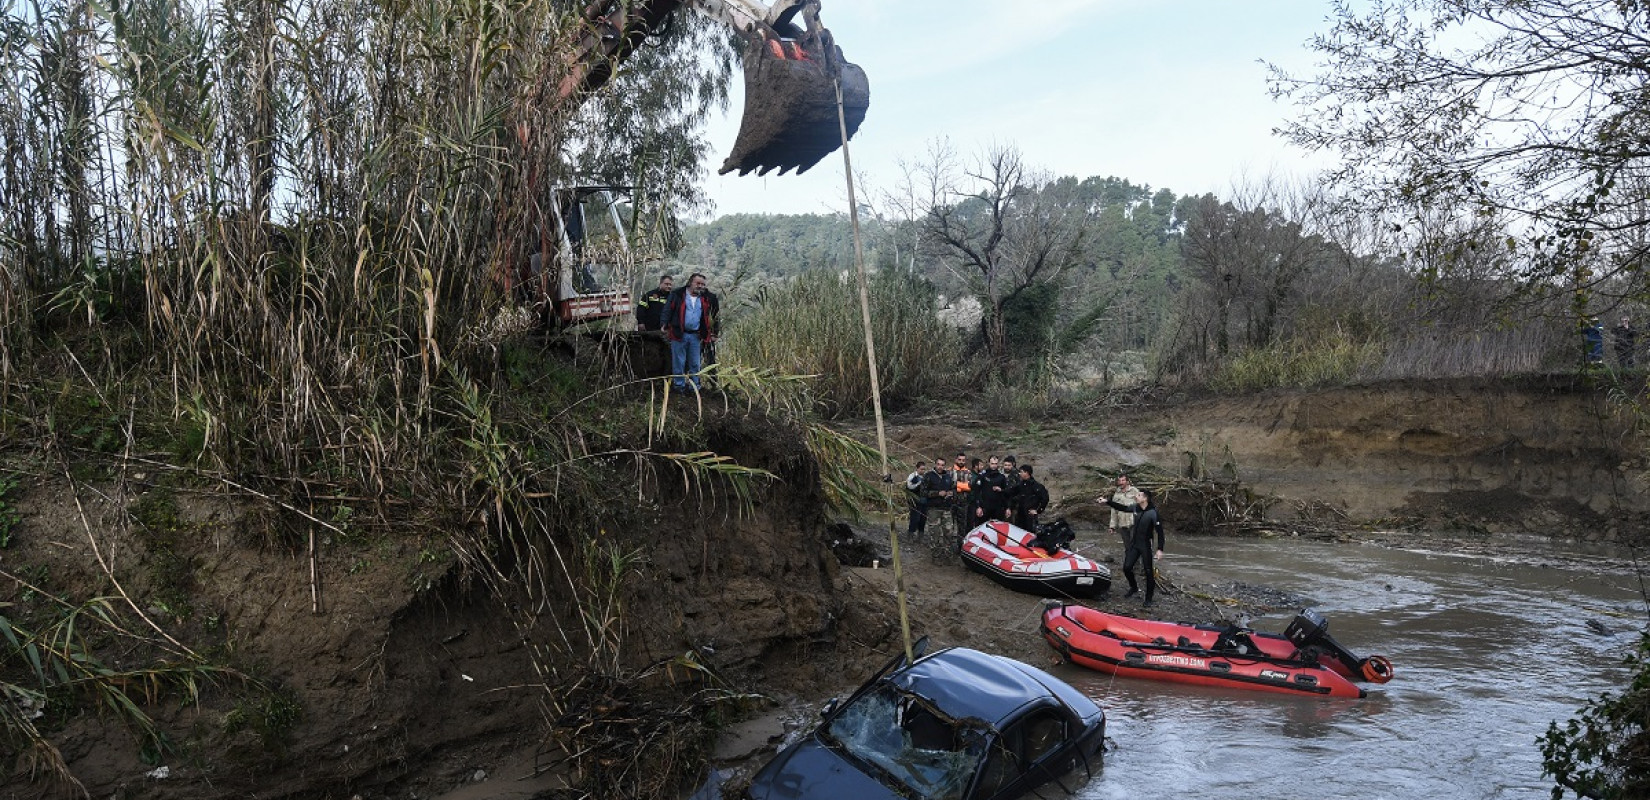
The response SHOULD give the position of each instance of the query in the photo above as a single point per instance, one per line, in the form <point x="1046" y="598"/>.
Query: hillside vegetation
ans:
<point x="1267" y="290"/>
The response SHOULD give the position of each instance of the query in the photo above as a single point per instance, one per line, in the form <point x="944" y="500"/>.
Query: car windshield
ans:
<point x="932" y="755"/>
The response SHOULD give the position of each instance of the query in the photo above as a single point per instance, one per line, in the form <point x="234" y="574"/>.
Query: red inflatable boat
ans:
<point x="1012" y="557"/>
<point x="1304" y="660"/>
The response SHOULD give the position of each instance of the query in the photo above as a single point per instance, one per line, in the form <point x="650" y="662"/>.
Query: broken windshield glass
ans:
<point x="930" y="754"/>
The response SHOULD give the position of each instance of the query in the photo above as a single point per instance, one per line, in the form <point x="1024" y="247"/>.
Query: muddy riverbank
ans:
<point x="409" y="681"/>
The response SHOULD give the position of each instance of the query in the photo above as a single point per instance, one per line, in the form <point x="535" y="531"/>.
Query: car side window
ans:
<point x="1018" y="751"/>
<point x="1045" y="731"/>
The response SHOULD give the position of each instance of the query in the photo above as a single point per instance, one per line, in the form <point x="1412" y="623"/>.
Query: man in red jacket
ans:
<point x="690" y="323"/>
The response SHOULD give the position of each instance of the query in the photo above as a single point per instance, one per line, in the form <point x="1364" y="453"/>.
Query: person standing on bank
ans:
<point x="916" y="490"/>
<point x="962" y="499"/>
<point x="650" y="310"/>
<point x="1146" y="524"/>
<point x="1122" y="523"/>
<point x="976" y="468"/>
<point x="991" y="493"/>
<point x="940" y="489"/>
<point x="1028" y="498"/>
<point x="690" y="323"/>
<point x="1625" y="341"/>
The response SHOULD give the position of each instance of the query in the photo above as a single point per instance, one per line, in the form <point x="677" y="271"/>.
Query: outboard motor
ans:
<point x="1056" y="535"/>
<point x="1307" y="628"/>
<point x="1309" y="632"/>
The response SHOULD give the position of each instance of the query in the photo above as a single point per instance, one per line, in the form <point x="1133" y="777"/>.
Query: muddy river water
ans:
<point x="1487" y="651"/>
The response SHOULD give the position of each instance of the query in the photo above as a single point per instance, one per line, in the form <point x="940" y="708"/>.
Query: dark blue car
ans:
<point x="958" y="724"/>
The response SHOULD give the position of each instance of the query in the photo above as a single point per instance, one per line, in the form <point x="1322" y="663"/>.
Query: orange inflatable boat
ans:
<point x="1304" y="660"/>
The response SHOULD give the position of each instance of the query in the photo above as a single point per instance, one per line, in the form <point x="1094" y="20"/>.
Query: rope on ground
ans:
<point x="1036" y="613"/>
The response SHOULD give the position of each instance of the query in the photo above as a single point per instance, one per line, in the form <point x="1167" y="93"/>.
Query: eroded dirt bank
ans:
<point x="1547" y="455"/>
<point x="393" y="675"/>
<point x="411" y="682"/>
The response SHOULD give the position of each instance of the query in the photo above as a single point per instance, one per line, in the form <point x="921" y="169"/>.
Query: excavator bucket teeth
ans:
<point x="790" y="118"/>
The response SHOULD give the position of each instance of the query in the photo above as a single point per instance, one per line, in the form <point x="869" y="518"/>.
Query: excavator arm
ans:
<point x="792" y="74"/>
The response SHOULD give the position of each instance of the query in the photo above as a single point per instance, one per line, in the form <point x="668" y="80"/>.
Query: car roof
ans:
<point x="969" y="683"/>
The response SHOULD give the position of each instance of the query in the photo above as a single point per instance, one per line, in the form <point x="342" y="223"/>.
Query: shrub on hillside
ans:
<point x="1296" y="365"/>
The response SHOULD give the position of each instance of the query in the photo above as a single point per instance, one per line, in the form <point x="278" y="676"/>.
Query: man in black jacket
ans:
<point x="650" y="310"/>
<point x="1028" y="499"/>
<point x="991" y="493"/>
<point x="1139" y="545"/>
<point x="940" y="490"/>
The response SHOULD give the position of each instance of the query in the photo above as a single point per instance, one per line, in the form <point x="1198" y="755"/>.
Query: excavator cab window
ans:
<point x="593" y="238"/>
<point x="579" y="262"/>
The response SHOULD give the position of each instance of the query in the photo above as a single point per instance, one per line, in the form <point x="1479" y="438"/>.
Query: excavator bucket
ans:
<point x="790" y="118"/>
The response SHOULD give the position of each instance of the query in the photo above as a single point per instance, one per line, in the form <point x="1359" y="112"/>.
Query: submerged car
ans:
<point x="957" y="724"/>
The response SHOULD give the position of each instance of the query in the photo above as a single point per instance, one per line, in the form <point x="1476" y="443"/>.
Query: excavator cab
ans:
<point x="795" y="82"/>
<point x="582" y="267"/>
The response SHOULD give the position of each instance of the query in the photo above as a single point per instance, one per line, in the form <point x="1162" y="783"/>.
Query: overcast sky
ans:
<point x="1167" y="94"/>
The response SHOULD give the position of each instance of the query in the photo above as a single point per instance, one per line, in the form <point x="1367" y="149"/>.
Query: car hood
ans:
<point x="811" y="770"/>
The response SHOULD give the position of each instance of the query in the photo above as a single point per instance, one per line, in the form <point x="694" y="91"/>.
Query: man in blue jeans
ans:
<point x="690" y="321"/>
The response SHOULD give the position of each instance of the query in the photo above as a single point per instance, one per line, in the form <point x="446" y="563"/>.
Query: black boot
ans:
<point x="1131" y="592"/>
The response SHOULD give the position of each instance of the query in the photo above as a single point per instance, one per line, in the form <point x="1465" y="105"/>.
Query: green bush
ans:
<point x="1297" y="364"/>
<point x="1604" y="752"/>
<point x="273" y="713"/>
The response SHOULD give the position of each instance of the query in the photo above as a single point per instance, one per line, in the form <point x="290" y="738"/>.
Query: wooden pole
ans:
<point x="871" y="358"/>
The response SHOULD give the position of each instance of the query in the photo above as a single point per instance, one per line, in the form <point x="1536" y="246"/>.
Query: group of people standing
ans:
<point x="689" y="318"/>
<point x="972" y="491"/>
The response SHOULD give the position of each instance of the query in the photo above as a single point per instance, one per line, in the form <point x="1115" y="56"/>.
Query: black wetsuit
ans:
<point x="1028" y="499"/>
<point x="1139" y="546"/>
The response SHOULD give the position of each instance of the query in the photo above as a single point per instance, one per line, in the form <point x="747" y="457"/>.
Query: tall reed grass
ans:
<point x="1338" y="358"/>
<point x="304" y="199"/>
<point x="1295" y="364"/>
<point x="277" y="223"/>
<point x="812" y="325"/>
<point x="1535" y="346"/>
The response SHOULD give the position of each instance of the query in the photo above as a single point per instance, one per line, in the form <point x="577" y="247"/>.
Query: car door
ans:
<point x="1032" y="750"/>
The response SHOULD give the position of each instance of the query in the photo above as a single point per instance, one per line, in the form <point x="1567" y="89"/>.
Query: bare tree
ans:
<point x="991" y="223"/>
<point x="1251" y="255"/>
<point x="1532" y="109"/>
